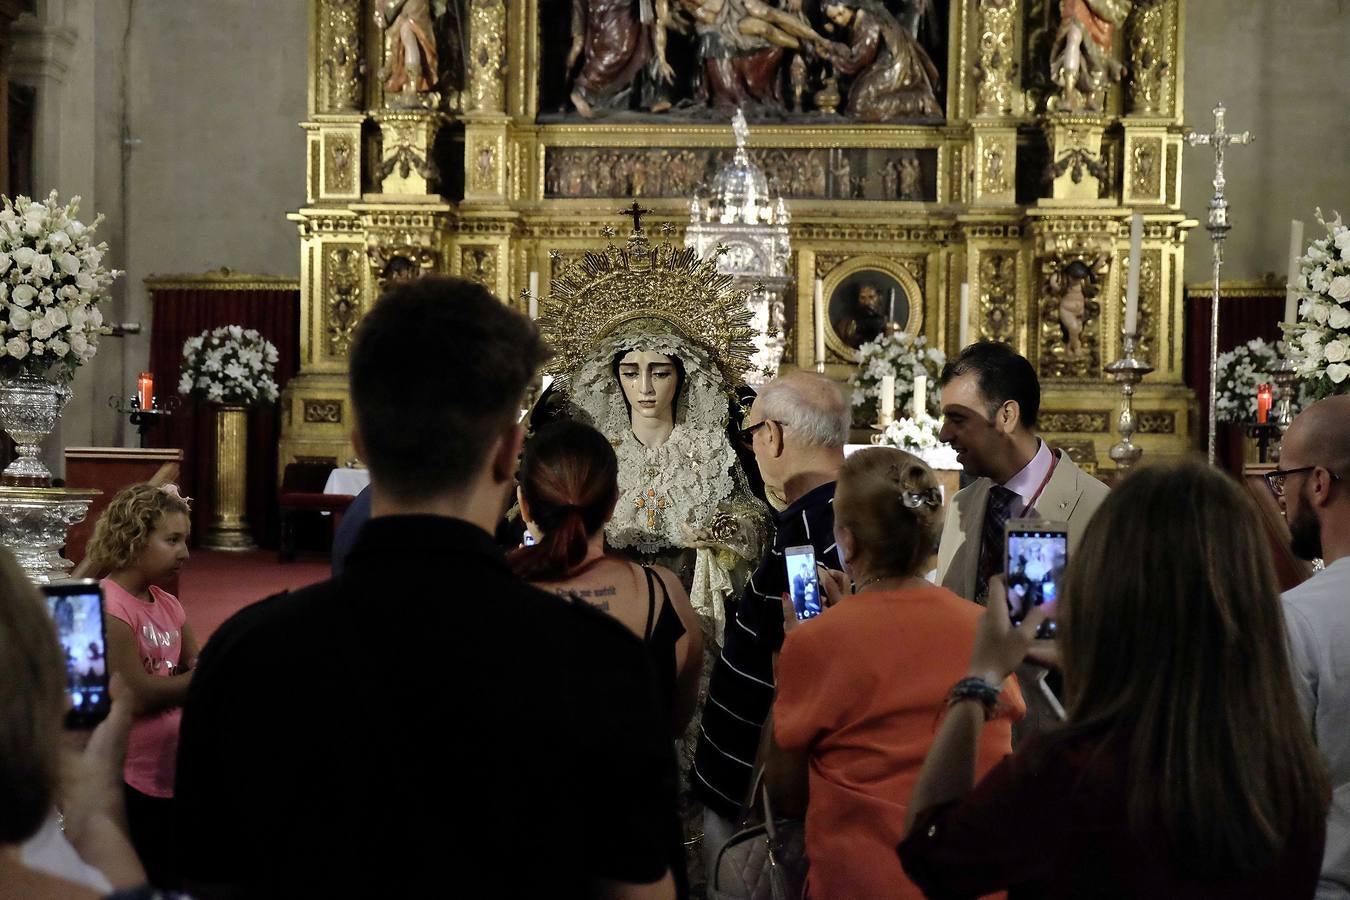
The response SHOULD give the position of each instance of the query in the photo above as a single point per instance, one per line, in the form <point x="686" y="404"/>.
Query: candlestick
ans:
<point x="534" y="295"/>
<point x="886" y="405"/>
<point x="1262" y="403"/>
<point x="1282" y="373"/>
<point x="964" y="332"/>
<point x="1132" y="278"/>
<point x="891" y="316"/>
<point x="1127" y="371"/>
<point x="1295" y="251"/>
<point x="920" y="397"/>
<point x="819" y="311"/>
<point x="145" y="390"/>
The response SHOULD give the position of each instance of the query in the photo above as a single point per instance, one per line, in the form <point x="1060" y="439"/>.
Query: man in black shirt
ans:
<point x="797" y="428"/>
<point x="426" y="724"/>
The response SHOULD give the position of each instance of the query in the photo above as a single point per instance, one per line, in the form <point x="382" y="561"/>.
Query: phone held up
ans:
<point x="1036" y="553"/>
<point x="803" y="583"/>
<point x="77" y="608"/>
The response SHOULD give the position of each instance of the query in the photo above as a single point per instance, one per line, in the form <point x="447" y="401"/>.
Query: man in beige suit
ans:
<point x="990" y="399"/>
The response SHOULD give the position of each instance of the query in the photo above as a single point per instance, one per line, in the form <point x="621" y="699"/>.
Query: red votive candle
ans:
<point x="145" y="390"/>
<point x="1263" y="399"/>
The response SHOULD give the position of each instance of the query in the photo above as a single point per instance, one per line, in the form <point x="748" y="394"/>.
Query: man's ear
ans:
<point x="1009" y="416"/>
<point x="359" y="445"/>
<point x="779" y="441"/>
<point x="506" y="455"/>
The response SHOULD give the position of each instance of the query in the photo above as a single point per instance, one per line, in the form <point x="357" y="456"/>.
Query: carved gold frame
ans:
<point x="871" y="263"/>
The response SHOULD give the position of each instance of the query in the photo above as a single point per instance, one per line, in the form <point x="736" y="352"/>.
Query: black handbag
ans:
<point x="765" y="861"/>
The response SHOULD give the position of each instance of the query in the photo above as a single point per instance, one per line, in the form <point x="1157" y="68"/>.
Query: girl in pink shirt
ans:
<point x="141" y="539"/>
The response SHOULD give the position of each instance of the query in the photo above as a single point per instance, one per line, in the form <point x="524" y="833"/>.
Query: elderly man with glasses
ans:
<point x="1311" y="487"/>
<point x="796" y="428"/>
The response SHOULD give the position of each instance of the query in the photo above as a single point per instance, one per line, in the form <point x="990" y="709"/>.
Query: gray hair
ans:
<point x="811" y="405"/>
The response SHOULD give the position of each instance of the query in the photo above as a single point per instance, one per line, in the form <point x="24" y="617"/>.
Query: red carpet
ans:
<point x="214" y="585"/>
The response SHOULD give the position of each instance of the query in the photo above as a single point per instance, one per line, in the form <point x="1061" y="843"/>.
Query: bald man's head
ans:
<point x="811" y="404"/>
<point x="1320" y="436"/>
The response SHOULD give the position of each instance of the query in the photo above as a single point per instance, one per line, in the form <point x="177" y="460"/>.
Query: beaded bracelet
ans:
<point x="973" y="688"/>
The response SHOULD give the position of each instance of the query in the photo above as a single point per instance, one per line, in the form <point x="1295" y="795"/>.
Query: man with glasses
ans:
<point x="796" y="428"/>
<point x="1310" y="485"/>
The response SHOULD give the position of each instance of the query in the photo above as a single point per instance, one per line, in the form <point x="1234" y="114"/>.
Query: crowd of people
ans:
<point x="449" y="715"/>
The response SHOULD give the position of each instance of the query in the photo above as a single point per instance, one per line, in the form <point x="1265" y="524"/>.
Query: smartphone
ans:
<point x="1035" y="556"/>
<point x="77" y="608"/>
<point x="527" y="540"/>
<point x="803" y="584"/>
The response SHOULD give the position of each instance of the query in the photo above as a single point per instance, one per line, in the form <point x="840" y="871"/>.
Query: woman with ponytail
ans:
<point x="569" y="485"/>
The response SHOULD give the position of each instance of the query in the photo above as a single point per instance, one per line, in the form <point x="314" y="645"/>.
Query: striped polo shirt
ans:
<point x="741" y="691"/>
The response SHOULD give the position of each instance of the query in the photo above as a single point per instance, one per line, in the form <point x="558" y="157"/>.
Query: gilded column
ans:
<point x="229" y="528"/>
<point x="487" y="57"/>
<point x="342" y="52"/>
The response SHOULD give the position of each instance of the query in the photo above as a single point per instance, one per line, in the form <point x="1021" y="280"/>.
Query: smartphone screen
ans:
<point x="803" y="585"/>
<point x="77" y="608"/>
<point x="1037" y="554"/>
<point x="527" y="540"/>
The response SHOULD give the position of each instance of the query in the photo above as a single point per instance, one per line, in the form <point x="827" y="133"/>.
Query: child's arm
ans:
<point x="152" y="693"/>
<point x="187" y="660"/>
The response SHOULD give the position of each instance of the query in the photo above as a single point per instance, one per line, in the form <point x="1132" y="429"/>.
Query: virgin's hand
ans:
<point x="834" y="585"/>
<point x="999" y="647"/>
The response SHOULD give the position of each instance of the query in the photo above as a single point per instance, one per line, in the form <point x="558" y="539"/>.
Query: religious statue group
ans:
<point x="767" y="54"/>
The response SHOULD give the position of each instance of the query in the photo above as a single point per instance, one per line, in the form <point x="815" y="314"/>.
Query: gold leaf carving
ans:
<point x="479" y="264"/>
<point x="1150" y="54"/>
<point x="997" y="294"/>
<point x="1156" y="421"/>
<point x="323" y="412"/>
<point x="341" y="49"/>
<point x="993" y="71"/>
<point x="1091" y="421"/>
<point x="1145" y="167"/>
<point x="1083" y="452"/>
<point x="487" y="51"/>
<point x="340" y="172"/>
<point x="342" y="296"/>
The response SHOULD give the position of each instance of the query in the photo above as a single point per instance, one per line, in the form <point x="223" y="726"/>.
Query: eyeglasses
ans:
<point x="748" y="433"/>
<point x="1275" y="478"/>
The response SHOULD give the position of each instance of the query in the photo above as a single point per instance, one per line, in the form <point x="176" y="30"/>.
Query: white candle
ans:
<point x="1132" y="278"/>
<point x="534" y="295"/>
<point x="819" y="312"/>
<point x="886" y="411"/>
<point x="891" y="316"/>
<point x="1295" y="251"/>
<point x="920" y="396"/>
<point x="964" y="334"/>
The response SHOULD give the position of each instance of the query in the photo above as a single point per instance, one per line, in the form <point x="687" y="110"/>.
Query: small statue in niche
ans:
<point x="895" y="78"/>
<point x="1072" y="290"/>
<point x="843" y="176"/>
<point x="797" y="78"/>
<point x="410" y="70"/>
<point x="622" y="48"/>
<point x="1080" y="58"/>
<point x="890" y="178"/>
<point x="910" y="176"/>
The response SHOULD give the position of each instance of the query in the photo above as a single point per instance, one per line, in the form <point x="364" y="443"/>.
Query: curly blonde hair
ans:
<point x="125" y="526"/>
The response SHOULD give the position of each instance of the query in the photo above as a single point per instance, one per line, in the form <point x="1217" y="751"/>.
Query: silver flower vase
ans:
<point x="29" y="409"/>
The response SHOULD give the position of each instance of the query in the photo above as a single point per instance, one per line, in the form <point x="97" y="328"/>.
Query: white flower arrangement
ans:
<point x="231" y="364"/>
<point x="1241" y="370"/>
<point x="919" y="435"/>
<point x="1319" y="342"/>
<point x="52" y="280"/>
<point x="904" y="356"/>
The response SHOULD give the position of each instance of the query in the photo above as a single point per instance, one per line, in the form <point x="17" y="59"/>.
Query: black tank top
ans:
<point x="664" y="629"/>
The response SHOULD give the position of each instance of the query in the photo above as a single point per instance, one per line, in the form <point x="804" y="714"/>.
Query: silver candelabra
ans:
<point x="1127" y="371"/>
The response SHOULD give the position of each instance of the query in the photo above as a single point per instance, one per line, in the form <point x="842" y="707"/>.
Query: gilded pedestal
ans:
<point x="229" y="529"/>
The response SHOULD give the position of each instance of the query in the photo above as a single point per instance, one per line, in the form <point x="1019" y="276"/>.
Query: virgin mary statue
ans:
<point x="652" y="344"/>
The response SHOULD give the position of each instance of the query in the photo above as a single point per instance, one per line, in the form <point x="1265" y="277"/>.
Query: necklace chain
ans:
<point x="873" y="580"/>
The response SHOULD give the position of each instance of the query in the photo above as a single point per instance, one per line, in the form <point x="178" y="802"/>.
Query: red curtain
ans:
<point x="181" y="313"/>
<point x="1240" y="320"/>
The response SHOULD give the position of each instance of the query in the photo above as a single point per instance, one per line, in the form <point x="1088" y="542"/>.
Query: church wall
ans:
<point x="210" y="105"/>
<point x="1279" y="67"/>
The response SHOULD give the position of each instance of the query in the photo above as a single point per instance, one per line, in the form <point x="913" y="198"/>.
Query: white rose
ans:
<point x="5" y="263"/>
<point x="23" y="295"/>
<point x="90" y="347"/>
<point x="58" y="347"/>
<point x="85" y="282"/>
<point x="78" y="318"/>
<point x="35" y="219"/>
<point x="42" y="266"/>
<point x="1339" y="289"/>
<point x="69" y="263"/>
<point x="96" y="317"/>
<point x="46" y="297"/>
<point x="75" y="229"/>
<point x="1339" y="317"/>
<point x="1319" y="312"/>
<point x="1343" y="240"/>
<point x="70" y="293"/>
<point x="56" y="317"/>
<point x="24" y="256"/>
<point x="17" y="347"/>
<point x="79" y="343"/>
<point x="41" y="330"/>
<point x="19" y="318"/>
<point x="1337" y="372"/>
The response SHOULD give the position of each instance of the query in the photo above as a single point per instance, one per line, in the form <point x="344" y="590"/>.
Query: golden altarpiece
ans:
<point x="1055" y="122"/>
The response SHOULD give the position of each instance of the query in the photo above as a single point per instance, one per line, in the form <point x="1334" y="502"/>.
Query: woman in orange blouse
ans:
<point x="862" y="686"/>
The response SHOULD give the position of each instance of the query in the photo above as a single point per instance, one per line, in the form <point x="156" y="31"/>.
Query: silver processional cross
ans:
<point x="1217" y="226"/>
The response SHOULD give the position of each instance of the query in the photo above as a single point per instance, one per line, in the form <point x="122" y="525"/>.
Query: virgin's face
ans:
<point x="649" y="381"/>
